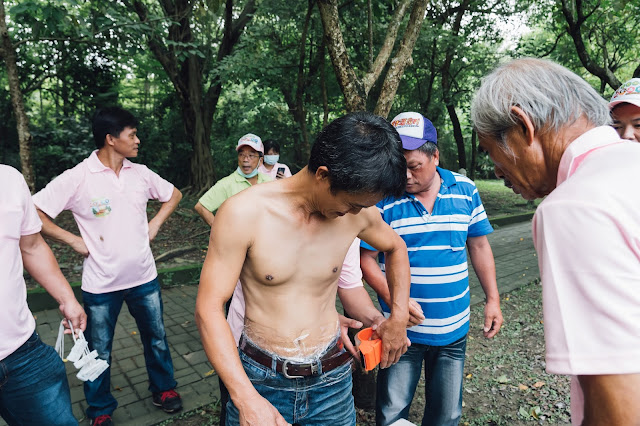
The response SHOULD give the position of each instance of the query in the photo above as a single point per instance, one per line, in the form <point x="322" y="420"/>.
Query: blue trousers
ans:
<point x="33" y="386"/>
<point x="320" y="400"/>
<point x="145" y="305"/>
<point x="443" y="367"/>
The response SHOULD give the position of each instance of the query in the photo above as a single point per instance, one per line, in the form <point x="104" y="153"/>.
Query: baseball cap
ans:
<point x="629" y="92"/>
<point x="252" y="141"/>
<point x="414" y="130"/>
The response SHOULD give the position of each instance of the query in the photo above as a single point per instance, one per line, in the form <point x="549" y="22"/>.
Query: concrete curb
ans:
<point x="39" y="300"/>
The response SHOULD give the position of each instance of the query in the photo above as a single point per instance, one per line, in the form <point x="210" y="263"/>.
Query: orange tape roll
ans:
<point x="371" y="350"/>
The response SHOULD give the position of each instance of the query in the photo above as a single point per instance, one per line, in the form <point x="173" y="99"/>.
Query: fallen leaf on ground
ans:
<point x="523" y="387"/>
<point x="535" y="412"/>
<point x="133" y="333"/>
<point x="524" y="413"/>
<point x="469" y="376"/>
<point x="209" y="373"/>
<point x="538" y="384"/>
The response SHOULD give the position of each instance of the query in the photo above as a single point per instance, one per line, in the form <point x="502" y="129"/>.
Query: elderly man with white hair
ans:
<point x="547" y="132"/>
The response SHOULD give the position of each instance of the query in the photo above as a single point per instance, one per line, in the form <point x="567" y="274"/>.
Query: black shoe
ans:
<point x="103" y="420"/>
<point x="169" y="401"/>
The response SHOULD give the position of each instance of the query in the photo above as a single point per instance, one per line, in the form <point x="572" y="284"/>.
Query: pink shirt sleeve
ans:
<point x="351" y="275"/>
<point x="159" y="188"/>
<point x="57" y="195"/>
<point x="31" y="223"/>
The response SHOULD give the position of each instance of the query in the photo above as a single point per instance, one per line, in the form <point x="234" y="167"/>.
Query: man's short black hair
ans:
<point x="271" y="144"/>
<point x="111" y="121"/>
<point x="363" y="153"/>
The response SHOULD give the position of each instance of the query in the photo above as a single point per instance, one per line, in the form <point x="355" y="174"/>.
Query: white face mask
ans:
<point x="271" y="159"/>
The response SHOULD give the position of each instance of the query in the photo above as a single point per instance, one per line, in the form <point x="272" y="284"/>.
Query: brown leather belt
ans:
<point x="334" y="357"/>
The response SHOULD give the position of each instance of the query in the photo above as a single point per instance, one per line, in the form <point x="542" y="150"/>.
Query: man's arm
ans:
<point x="611" y="399"/>
<point x="484" y="265"/>
<point x="393" y="332"/>
<point x="41" y="264"/>
<point x="53" y="231"/>
<point x="228" y="244"/>
<point x="357" y="303"/>
<point x="204" y="213"/>
<point x="163" y="214"/>
<point x="375" y="278"/>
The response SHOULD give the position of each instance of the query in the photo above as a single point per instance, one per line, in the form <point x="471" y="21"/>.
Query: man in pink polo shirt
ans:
<point x="33" y="381"/>
<point x="108" y="196"/>
<point x="547" y="132"/>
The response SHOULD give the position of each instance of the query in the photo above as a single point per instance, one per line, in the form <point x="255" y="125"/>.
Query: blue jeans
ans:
<point x="33" y="386"/>
<point x="321" y="400"/>
<point x="145" y="305"/>
<point x="443" y="367"/>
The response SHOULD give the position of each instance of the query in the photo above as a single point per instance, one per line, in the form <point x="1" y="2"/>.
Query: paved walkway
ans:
<point x="516" y="265"/>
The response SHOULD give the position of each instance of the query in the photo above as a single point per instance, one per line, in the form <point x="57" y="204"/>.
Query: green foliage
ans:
<point x="58" y="145"/>
<point x="77" y="56"/>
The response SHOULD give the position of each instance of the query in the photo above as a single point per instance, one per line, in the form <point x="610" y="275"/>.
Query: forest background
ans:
<point x="201" y="73"/>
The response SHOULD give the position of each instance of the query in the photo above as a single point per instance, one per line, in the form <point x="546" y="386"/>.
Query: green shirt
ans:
<point x="226" y="188"/>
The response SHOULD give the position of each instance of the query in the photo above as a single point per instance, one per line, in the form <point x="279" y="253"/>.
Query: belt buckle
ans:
<point x="285" y="363"/>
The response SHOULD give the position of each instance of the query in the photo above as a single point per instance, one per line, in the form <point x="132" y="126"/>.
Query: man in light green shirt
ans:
<point x="250" y="150"/>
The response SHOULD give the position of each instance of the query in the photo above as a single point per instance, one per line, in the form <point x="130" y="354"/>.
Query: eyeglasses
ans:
<point x="242" y="155"/>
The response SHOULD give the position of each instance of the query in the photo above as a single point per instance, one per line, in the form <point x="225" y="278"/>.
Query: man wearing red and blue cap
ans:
<point x="438" y="216"/>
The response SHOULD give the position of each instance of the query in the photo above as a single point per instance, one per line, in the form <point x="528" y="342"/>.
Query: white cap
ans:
<point x="629" y="92"/>
<point x="252" y="141"/>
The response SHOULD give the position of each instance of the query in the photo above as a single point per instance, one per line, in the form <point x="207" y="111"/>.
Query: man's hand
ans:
<point x="345" y="325"/>
<point x="257" y="411"/>
<point x="416" y="316"/>
<point x="492" y="319"/>
<point x="79" y="246"/>
<point x="394" y="340"/>
<point x="72" y="311"/>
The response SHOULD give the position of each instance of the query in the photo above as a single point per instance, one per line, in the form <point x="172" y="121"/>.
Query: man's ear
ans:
<point x="322" y="174"/>
<point x="525" y="125"/>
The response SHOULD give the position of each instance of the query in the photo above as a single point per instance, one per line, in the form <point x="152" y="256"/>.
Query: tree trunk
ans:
<point x="474" y="155"/>
<point x="457" y="134"/>
<point x="402" y="59"/>
<point x="197" y="106"/>
<point x="8" y="53"/>
<point x="352" y="88"/>
<point x="446" y="88"/>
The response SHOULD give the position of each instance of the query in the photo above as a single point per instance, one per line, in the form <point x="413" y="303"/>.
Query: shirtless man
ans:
<point x="292" y="366"/>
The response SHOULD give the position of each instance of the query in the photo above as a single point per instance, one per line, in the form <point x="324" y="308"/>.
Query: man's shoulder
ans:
<point x="9" y="174"/>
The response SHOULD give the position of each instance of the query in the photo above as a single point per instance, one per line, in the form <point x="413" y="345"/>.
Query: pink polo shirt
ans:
<point x="111" y="213"/>
<point x="587" y="235"/>
<point x="18" y="217"/>
<point x="274" y="170"/>
<point x="350" y="277"/>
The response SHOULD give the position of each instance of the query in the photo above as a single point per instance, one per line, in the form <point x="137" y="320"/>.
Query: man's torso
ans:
<point x="436" y="243"/>
<point x="290" y="275"/>
<point x="111" y="213"/>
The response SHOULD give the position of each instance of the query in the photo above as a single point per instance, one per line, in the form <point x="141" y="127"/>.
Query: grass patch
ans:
<point x="499" y="200"/>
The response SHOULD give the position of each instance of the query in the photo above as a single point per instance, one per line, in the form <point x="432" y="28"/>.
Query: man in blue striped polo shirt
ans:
<point x="439" y="214"/>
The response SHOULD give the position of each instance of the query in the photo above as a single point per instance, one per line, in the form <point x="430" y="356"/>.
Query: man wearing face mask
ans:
<point x="250" y="149"/>
<point x="271" y="166"/>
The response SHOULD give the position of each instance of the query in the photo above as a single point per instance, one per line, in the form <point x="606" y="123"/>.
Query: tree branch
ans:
<point x="402" y="58"/>
<point x="387" y="46"/>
